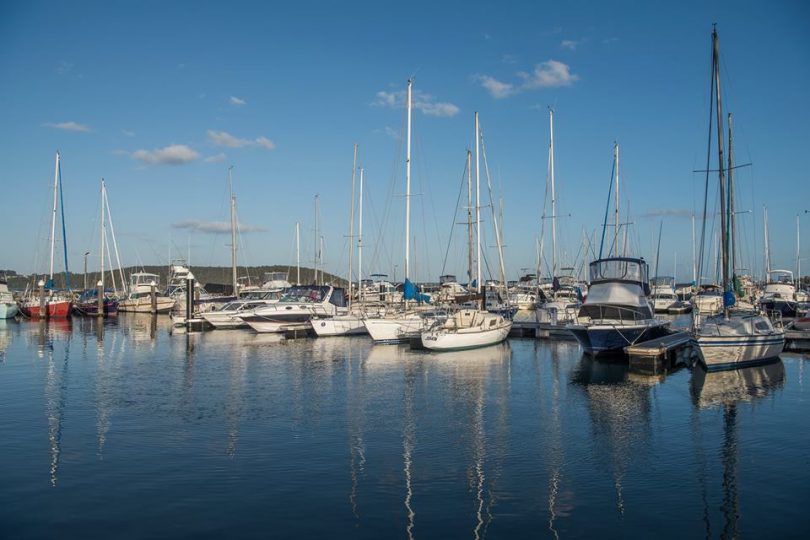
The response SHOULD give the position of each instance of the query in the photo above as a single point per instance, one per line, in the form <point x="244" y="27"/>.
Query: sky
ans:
<point x="161" y="98"/>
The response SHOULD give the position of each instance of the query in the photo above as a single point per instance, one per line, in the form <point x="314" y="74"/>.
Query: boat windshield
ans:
<point x="304" y="294"/>
<point x="619" y="269"/>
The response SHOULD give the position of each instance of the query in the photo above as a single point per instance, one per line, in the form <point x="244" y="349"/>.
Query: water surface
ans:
<point x="132" y="432"/>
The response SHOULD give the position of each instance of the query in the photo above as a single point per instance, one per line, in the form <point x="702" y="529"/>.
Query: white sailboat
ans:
<point x="734" y="338"/>
<point x="469" y="328"/>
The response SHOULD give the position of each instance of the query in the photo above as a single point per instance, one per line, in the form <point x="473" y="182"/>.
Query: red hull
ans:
<point x="59" y="309"/>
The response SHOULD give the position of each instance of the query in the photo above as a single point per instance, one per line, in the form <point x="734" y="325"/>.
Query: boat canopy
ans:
<point x="620" y="269"/>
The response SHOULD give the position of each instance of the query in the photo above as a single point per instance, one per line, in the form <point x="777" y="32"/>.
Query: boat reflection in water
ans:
<point x="727" y="389"/>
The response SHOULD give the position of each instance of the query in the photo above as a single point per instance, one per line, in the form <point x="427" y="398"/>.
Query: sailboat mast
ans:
<point x="408" y="184"/>
<point x="469" y="219"/>
<point x="694" y="259"/>
<point x="767" y="247"/>
<point x="53" y="214"/>
<point x="721" y="163"/>
<point x="103" y="235"/>
<point x="731" y="206"/>
<point x="360" y="244"/>
<point x="233" y="231"/>
<point x="477" y="204"/>
<point x="317" y="236"/>
<point x="616" y="159"/>
<point x="351" y="227"/>
<point x="553" y="194"/>
<point x="297" y="253"/>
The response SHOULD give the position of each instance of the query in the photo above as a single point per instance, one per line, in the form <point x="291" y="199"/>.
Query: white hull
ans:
<point x="144" y="305"/>
<point x="662" y="305"/>
<point x="223" y="321"/>
<point x="274" y="327"/>
<point x="728" y="352"/>
<point x="556" y="313"/>
<point x="394" y="330"/>
<point x="8" y="310"/>
<point x="708" y="305"/>
<point x="346" y="325"/>
<point x="466" y="338"/>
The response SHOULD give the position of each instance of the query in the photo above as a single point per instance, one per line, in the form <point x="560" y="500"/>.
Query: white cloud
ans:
<point x="237" y="102"/>
<point x="264" y="142"/>
<point x="219" y="158"/>
<point x="69" y="126"/>
<point x="548" y="74"/>
<point x="175" y="154"/>
<point x="222" y="138"/>
<point x="215" y="227"/>
<point x="570" y="44"/>
<point x="128" y="133"/>
<point x="496" y="88"/>
<point x="420" y="101"/>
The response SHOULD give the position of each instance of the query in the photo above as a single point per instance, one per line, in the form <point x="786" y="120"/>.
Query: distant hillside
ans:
<point x="203" y="274"/>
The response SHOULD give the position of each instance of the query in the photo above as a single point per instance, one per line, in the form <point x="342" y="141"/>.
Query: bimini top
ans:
<point x="621" y="269"/>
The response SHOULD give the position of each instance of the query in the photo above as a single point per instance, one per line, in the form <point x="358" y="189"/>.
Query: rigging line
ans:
<point x="607" y="206"/>
<point x="708" y="166"/>
<point x="455" y="215"/>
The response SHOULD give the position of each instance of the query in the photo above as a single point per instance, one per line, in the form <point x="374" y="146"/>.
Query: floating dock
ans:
<point x="797" y="340"/>
<point x="661" y="354"/>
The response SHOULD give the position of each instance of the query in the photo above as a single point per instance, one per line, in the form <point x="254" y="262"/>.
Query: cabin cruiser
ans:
<point x="8" y="307"/>
<point x="203" y="300"/>
<point x="708" y="300"/>
<point x="663" y="293"/>
<point x="779" y="294"/>
<point x="139" y="298"/>
<point x="296" y="307"/>
<point x="560" y="302"/>
<point x="228" y="316"/>
<point x="523" y="294"/>
<point x="616" y="312"/>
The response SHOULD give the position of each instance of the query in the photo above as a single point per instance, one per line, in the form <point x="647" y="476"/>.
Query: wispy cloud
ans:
<point x="223" y="138"/>
<point x="64" y="67"/>
<point x="218" y="158"/>
<point x="390" y="132"/>
<point x="570" y="44"/>
<point x="215" y="227"/>
<point x="69" y="126"/>
<point x="667" y="212"/>
<point x="175" y="154"/>
<point x="236" y="102"/>
<point x="420" y="100"/>
<point x="548" y="74"/>
<point x="128" y="133"/>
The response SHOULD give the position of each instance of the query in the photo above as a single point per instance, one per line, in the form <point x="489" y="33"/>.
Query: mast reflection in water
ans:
<point x="131" y="426"/>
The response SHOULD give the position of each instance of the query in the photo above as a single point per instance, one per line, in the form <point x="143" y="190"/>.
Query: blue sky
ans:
<point x="159" y="98"/>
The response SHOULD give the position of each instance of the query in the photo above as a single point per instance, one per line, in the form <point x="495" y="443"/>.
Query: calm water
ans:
<point x="144" y="434"/>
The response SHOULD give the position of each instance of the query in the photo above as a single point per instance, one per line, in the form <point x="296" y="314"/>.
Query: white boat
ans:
<point x="401" y="327"/>
<point x="616" y="312"/>
<point x="8" y="306"/>
<point x="732" y="339"/>
<point x="139" y="297"/>
<point x="341" y="325"/>
<point x="708" y="300"/>
<point x="296" y="307"/>
<point x="560" y="302"/>
<point x="663" y="293"/>
<point x="779" y="294"/>
<point x="228" y="316"/>
<point x="466" y="329"/>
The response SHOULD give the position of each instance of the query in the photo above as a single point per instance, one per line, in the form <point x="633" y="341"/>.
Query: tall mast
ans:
<point x="694" y="259"/>
<point x="351" y="227"/>
<point x="731" y="206"/>
<point x="616" y="159"/>
<point x="408" y="185"/>
<point x="360" y="243"/>
<point x="798" y="260"/>
<point x="721" y="163"/>
<point x="233" y="231"/>
<point x="767" y="247"/>
<point x="297" y="253"/>
<point x="103" y="235"/>
<point x="477" y="205"/>
<point x="469" y="219"/>
<point x="317" y="236"/>
<point x="553" y="194"/>
<point x="53" y="214"/>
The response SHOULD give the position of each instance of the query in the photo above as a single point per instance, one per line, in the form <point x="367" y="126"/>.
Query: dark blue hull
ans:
<point x="606" y="340"/>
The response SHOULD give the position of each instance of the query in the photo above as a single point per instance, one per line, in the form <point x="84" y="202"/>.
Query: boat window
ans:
<point x="338" y="298"/>
<point x="303" y="295"/>
<point x="762" y="326"/>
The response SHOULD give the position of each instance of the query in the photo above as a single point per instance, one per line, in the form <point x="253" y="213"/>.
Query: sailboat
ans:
<point x="55" y="304"/>
<point x="617" y="311"/>
<point x="469" y="328"/>
<point x="558" y="305"/>
<point x="734" y="338"/>
<point x="401" y="326"/>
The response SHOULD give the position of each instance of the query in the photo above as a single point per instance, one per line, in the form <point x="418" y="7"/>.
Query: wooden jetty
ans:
<point x="661" y="354"/>
<point x="797" y="340"/>
<point x="523" y="329"/>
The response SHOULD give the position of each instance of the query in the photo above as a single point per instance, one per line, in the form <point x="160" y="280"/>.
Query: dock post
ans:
<point x="43" y="309"/>
<point x="189" y="301"/>
<point x="153" y="297"/>
<point x="100" y="289"/>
